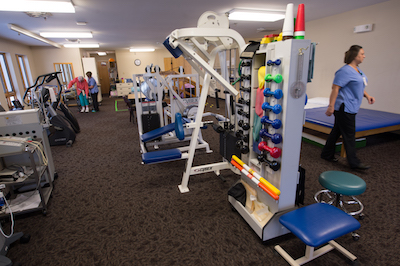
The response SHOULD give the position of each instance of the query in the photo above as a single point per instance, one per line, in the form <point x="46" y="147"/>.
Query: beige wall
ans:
<point x="126" y="66"/>
<point x="12" y="49"/>
<point x="334" y="36"/>
<point x="45" y="57"/>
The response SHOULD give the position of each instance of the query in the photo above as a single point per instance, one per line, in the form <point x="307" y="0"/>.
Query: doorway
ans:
<point x="104" y="79"/>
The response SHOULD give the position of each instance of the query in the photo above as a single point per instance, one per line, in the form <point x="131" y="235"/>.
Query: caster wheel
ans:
<point x="55" y="176"/>
<point x="44" y="212"/>
<point x="25" y="239"/>
<point x="361" y="216"/>
<point x="69" y="143"/>
<point x="355" y="236"/>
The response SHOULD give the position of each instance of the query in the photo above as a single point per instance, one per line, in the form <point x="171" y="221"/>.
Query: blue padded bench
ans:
<point x="315" y="225"/>
<point x="157" y="132"/>
<point x="177" y="126"/>
<point x="161" y="156"/>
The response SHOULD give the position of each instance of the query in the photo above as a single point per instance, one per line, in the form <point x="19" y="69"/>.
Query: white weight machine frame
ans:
<point x="194" y="44"/>
<point x="164" y="113"/>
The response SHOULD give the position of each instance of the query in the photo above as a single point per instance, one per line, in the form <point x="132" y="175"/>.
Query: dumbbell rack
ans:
<point x="294" y="56"/>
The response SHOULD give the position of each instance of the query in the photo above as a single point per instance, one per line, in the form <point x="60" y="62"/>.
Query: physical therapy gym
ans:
<point x="199" y="132"/>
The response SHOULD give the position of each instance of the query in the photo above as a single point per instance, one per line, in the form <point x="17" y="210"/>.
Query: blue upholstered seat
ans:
<point x="319" y="223"/>
<point x="342" y="183"/>
<point x="161" y="156"/>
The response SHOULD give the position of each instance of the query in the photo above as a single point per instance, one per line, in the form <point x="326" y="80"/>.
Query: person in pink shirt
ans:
<point x="82" y="90"/>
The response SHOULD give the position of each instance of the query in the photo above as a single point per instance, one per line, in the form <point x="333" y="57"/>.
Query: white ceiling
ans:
<point x="121" y="24"/>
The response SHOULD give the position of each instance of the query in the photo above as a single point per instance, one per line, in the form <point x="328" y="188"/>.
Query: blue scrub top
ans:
<point x="351" y="90"/>
<point x="92" y="82"/>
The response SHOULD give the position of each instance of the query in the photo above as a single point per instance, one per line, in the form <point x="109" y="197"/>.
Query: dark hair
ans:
<point x="351" y="53"/>
<point x="88" y="73"/>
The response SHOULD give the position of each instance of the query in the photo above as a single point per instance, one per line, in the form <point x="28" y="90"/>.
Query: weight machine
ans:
<point x="268" y="142"/>
<point x="155" y="129"/>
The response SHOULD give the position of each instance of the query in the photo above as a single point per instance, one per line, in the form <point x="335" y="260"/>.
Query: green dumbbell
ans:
<point x="277" y="78"/>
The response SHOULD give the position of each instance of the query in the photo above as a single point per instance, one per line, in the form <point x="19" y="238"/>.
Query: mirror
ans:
<point x="67" y="72"/>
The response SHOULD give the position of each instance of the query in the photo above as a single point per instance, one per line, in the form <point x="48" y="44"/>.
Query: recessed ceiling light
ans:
<point x="256" y="15"/>
<point x="37" y="6"/>
<point x="66" y="34"/>
<point x="102" y="53"/>
<point x="81" y="23"/>
<point x="141" y="50"/>
<point x="81" y="45"/>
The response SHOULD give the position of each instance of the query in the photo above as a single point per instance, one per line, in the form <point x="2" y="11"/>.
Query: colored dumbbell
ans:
<point x="274" y="152"/>
<point x="277" y="62"/>
<point x="274" y="165"/>
<point x="274" y="123"/>
<point x="277" y="78"/>
<point x="243" y="113"/>
<point x="277" y="108"/>
<point x="277" y="93"/>
<point x="275" y="138"/>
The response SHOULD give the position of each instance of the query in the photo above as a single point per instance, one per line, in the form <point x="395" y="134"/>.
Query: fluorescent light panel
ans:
<point x="102" y="53"/>
<point x="37" y="6"/>
<point x="32" y="35"/>
<point x="141" y="50"/>
<point x="66" y="34"/>
<point x="256" y="15"/>
<point x="81" y="45"/>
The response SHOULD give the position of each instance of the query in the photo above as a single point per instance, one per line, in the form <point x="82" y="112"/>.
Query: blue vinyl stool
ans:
<point x="316" y="225"/>
<point x="339" y="187"/>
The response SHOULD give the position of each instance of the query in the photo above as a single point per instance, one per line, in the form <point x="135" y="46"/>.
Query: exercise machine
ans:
<point x="61" y="129"/>
<point x="156" y="119"/>
<point x="266" y="121"/>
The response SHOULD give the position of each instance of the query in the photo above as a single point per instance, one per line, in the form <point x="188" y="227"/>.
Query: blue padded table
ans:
<point x="315" y="225"/>
<point x="368" y="122"/>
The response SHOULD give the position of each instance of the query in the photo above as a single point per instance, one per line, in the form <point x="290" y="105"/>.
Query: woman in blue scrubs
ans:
<point x="344" y="102"/>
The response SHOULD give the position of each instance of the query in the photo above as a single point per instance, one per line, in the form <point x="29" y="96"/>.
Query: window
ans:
<point x="8" y="87"/>
<point x="66" y="70"/>
<point x="23" y="68"/>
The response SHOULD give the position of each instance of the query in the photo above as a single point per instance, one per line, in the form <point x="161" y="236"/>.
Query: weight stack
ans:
<point x="228" y="147"/>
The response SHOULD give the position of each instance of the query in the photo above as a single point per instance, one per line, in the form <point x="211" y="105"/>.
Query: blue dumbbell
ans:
<point x="275" y="123"/>
<point x="277" y="93"/>
<point x="277" y="108"/>
<point x="276" y="62"/>
<point x="275" y="138"/>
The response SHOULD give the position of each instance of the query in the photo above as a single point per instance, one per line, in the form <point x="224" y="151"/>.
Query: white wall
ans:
<point x="382" y="63"/>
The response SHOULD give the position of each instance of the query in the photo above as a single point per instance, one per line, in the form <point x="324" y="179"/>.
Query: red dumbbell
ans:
<point x="274" y="152"/>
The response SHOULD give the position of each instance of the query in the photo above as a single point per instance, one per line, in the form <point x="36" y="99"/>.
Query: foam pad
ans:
<point x="179" y="131"/>
<point x="342" y="182"/>
<point x="161" y="156"/>
<point x="365" y="119"/>
<point x="319" y="223"/>
<point x="157" y="132"/>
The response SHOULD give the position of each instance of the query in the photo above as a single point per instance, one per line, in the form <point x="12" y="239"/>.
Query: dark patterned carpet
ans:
<point x="109" y="209"/>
